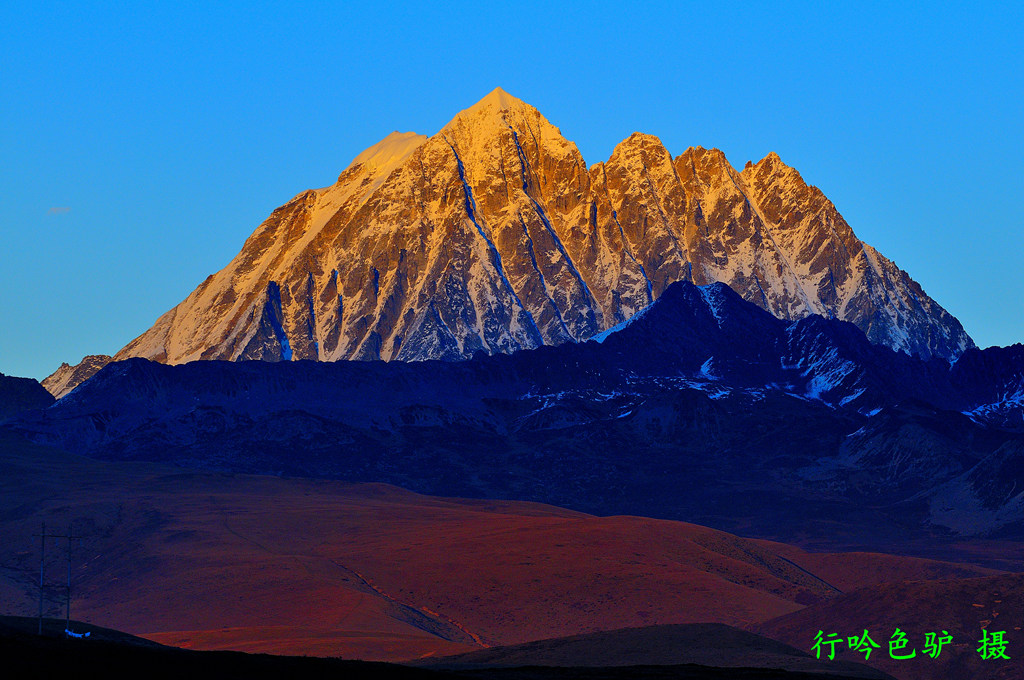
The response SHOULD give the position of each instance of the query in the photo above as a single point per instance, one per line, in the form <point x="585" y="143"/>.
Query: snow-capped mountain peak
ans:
<point x="494" y="235"/>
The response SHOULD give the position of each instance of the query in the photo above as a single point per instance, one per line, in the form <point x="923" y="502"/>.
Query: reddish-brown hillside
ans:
<point x="311" y="567"/>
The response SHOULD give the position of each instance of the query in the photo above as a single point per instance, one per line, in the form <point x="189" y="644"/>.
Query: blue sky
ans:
<point x="140" y="147"/>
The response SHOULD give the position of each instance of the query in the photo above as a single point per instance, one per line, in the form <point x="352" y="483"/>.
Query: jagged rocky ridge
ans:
<point x="493" y="235"/>
<point x="67" y="377"/>
<point x="703" y="407"/>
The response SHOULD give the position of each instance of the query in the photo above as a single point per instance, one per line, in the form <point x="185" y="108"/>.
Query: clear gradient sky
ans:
<point x="140" y="147"/>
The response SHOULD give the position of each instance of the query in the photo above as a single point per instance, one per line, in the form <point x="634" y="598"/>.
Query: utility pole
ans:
<point x="42" y="557"/>
<point x="67" y="593"/>
<point x="42" y="567"/>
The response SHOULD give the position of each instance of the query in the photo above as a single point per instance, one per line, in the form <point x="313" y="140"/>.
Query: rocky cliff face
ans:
<point x="494" y="235"/>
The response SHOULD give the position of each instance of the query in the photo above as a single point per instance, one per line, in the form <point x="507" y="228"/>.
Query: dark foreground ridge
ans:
<point x="111" y="654"/>
<point x="666" y="645"/>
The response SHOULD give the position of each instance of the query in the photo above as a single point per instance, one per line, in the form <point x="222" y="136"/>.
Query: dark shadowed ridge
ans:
<point x="18" y="395"/>
<point x="698" y="398"/>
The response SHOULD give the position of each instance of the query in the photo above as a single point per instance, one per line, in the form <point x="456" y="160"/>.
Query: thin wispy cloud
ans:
<point x="57" y="210"/>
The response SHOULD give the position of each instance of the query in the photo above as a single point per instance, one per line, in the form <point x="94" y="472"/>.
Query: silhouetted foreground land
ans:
<point x="111" y="654"/>
<point x="678" y="646"/>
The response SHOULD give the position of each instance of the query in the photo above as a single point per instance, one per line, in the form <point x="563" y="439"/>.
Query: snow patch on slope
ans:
<point x="604" y="335"/>
<point x="713" y="299"/>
